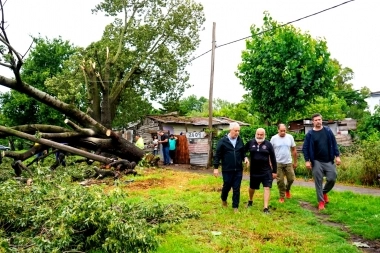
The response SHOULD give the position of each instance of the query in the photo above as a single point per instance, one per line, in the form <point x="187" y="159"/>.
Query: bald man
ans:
<point x="263" y="166"/>
<point x="284" y="149"/>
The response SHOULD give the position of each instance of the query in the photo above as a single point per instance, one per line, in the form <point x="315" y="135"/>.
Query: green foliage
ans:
<point x="54" y="215"/>
<point x="370" y="151"/>
<point x="247" y="133"/>
<point x="369" y="127"/>
<point x="44" y="61"/>
<point x="283" y="69"/>
<point x="355" y="99"/>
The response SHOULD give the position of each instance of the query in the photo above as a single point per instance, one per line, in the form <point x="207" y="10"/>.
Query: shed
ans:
<point x="192" y="146"/>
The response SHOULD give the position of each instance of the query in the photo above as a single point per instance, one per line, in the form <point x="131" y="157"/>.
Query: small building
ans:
<point x="373" y="100"/>
<point x="339" y="128"/>
<point x="191" y="132"/>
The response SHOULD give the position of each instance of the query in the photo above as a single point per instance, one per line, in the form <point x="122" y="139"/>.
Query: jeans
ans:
<point x="232" y="179"/>
<point x="165" y="150"/>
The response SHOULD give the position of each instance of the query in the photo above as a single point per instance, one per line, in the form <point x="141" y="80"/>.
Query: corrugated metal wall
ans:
<point x="198" y="149"/>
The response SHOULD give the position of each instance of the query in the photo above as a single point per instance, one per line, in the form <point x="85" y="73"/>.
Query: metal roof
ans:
<point x="196" y="121"/>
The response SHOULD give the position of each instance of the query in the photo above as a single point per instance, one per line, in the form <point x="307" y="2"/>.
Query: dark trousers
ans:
<point x="232" y="179"/>
<point x="165" y="150"/>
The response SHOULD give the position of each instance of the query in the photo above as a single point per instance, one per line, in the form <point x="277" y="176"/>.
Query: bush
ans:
<point x="370" y="151"/>
<point x="54" y="215"/>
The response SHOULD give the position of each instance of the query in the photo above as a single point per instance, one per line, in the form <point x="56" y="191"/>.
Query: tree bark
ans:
<point x="56" y="145"/>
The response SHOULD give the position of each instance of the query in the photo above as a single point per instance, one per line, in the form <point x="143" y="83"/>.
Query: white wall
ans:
<point x="372" y="102"/>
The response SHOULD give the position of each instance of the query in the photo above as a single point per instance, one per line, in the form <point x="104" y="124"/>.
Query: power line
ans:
<point x="290" y="22"/>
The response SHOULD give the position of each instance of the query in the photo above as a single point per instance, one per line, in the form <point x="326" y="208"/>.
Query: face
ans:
<point x="171" y="137"/>
<point x="260" y="136"/>
<point x="282" y="131"/>
<point x="317" y="122"/>
<point x="234" y="132"/>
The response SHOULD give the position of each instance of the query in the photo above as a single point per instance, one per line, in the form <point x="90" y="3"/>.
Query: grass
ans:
<point x="289" y="227"/>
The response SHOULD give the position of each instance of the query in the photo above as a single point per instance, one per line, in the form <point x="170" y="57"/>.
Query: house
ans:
<point x="193" y="147"/>
<point x="339" y="128"/>
<point x="373" y="100"/>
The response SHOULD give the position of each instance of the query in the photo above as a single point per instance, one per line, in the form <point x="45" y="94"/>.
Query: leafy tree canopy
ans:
<point x="284" y="69"/>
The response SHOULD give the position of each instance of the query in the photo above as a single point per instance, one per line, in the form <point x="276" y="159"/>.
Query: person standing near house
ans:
<point x="172" y="147"/>
<point x="284" y="148"/>
<point x="320" y="150"/>
<point x="165" y="146"/>
<point x="230" y="152"/>
<point x="263" y="167"/>
<point x="155" y="145"/>
<point x="139" y="141"/>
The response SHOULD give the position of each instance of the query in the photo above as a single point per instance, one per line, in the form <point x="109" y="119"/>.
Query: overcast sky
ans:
<point x="351" y="31"/>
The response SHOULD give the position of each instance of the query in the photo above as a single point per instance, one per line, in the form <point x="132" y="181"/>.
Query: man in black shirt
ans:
<point x="320" y="149"/>
<point x="165" y="146"/>
<point x="263" y="166"/>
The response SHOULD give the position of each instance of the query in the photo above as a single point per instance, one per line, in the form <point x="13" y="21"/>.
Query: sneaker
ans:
<point x="321" y="205"/>
<point x="325" y="198"/>
<point x="249" y="203"/>
<point x="266" y="211"/>
<point x="236" y="210"/>
<point x="287" y="194"/>
<point x="281" y="200"/>
<point x="224" y="203"/>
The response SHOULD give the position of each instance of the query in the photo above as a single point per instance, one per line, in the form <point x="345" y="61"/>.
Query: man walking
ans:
<point x="284" y="148"/>
<point x="263" y="166"/>
<point x="320" y="149"/>
<point x="230" y="150"/>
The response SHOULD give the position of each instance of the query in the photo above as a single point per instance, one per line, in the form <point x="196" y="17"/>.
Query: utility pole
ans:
<point x="210" y="155"/>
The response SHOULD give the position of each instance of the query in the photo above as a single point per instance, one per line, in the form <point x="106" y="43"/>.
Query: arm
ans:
<point x="217" y="157"/>
<point x="272" y="157"/>
<point x="294" y="152"/>
<point x="335" y="149"/>
<point x="246" y="149"/>
<point x="294" y="155"/>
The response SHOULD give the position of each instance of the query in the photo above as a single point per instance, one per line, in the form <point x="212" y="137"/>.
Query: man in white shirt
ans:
<point x="284" y="148"/>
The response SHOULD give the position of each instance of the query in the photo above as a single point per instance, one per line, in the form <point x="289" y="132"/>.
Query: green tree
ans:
<point x="44" y="61"/>
<point x="355" y="99"/>
<point x="284" y="69"/>
<point x="144" y="52"/>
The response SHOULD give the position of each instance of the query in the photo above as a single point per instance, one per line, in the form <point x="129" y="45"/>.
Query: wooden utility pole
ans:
<point x="210" y="97"/>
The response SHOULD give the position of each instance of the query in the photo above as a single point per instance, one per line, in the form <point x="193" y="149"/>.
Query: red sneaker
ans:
<point x="325" y="198"/>
<point x="281" y="200"/>
<point x="287" y="195"/>
<point x="321" y="206"/>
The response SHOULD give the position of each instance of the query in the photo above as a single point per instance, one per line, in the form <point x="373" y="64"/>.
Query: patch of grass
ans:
<point x="289" y="228"/>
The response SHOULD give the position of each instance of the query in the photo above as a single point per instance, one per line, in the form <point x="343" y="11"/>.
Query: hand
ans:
<point x="308" y="165"/>
<point x="246" y="161"/>
<point x="337" y="160"/>
<point x="294" y="165"/>
<point x="216" y="172"/>
<point x="274" y="175"/>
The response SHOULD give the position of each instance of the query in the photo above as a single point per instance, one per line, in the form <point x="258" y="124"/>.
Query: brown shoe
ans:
<point x="236" y="210"/>
<point x="224" y="203"/>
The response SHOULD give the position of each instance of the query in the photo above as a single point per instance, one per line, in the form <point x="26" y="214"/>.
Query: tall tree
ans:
<point x="144" y="52"/>
<point x="284" y="69"/>
<point x="44" y="61"/>
<point x="355" y="99"/>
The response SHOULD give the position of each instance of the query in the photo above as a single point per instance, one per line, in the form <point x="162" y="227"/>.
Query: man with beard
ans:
<point x="230" y="150"/>
<point x="320" y="149"/>
<point x="263" y="166"/>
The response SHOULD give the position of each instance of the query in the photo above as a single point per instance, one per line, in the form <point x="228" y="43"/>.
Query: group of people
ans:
<point x="273" y="159"/>
<point x="169" y="144"/>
